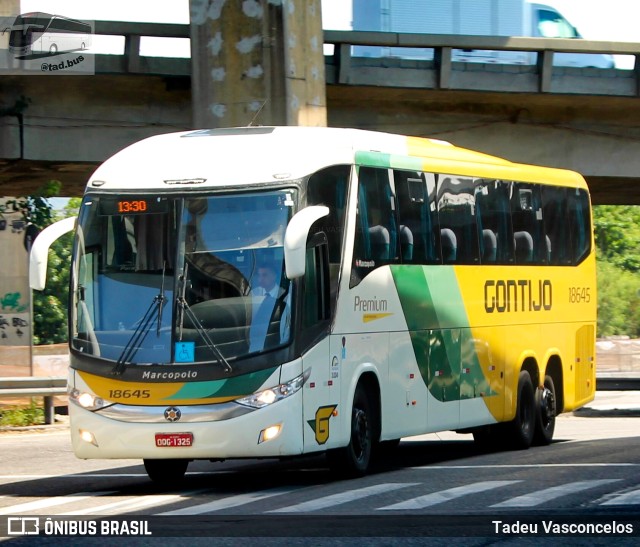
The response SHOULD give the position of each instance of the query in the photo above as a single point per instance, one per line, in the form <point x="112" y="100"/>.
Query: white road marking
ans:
<point x="229" y="502"/>
<point x="446" y="495"/>
<point x="47" y="503"/>
<point x="343" y="497"/>
<point x="628" y="498"/>
<point x="542" y="496"/>
<point x="135" y="503"/>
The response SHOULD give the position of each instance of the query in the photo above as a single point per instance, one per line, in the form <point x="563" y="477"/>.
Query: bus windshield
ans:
<point x="181" y="280"/>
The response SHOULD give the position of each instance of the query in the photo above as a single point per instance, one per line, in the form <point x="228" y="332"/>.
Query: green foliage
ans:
<point x="50" y="305"/>
<point x="618" y="301"/>
<point x="617" y="234"/>
<point x="22" y="416"/>
<point x="36" y="209"/>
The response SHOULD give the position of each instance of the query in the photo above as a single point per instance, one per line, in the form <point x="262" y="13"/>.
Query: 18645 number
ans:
<point x="129" y="393"/>
<point x="579" y="295"/>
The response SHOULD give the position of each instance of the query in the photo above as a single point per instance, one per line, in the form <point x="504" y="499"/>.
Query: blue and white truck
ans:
<point x="472" y="18"/>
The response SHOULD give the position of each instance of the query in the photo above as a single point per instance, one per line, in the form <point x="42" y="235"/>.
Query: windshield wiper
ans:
<point x="183" y="308"/>
<point x="138" y="336"/>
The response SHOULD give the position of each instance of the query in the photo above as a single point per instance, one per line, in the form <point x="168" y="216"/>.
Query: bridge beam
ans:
<point x="258" y="62"/>
<point x="594" y="135"/>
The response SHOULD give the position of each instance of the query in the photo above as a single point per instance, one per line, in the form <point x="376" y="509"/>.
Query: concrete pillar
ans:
<point x="257" y="62"/>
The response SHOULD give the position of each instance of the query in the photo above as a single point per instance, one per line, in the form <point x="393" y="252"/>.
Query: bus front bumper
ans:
<point x="272" y="431"/>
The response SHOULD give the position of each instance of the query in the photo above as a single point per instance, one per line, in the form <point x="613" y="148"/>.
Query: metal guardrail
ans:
<point x="35" y="386"/>
<point x="48" y="387"/>
<point x="617" y="384"/>
<point x="442" y="44"/>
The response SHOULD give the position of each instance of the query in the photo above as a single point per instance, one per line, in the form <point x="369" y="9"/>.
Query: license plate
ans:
<point x="168" y="440"/>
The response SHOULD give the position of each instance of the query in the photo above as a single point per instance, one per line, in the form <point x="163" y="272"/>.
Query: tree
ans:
<point x="50" y="305"/>
<point x="617" y="236"/>
<point x="618" y="301"/>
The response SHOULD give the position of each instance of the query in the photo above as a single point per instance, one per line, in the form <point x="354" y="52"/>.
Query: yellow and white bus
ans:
<point x="276" y="291"/>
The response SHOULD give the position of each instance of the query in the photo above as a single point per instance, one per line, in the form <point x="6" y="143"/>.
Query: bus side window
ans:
<point x="579" y="223"/>
<point x="528" y="230"/>
<point x="329" y="187"/>
<point x="558" y="237"/>
<point x="494" y="222"/>
<point x="376" y="241"/>
<point x="457" y="217"/>
<point x="417" y="218"/>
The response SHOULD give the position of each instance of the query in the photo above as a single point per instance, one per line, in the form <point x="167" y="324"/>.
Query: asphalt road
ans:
<point x="436" y="486"/>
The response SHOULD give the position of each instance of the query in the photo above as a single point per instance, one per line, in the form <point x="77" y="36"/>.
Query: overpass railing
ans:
<point x="443" y="46"/>
<point x="340" y="66"/>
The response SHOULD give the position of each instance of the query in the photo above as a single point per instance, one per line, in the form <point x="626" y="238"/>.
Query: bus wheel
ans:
<point x="545" y="412"/>
<point x="166" y="471"/>
<point x="521" y="429"/>
<point x="53" y="49"/>
<point x="355" y="458"/>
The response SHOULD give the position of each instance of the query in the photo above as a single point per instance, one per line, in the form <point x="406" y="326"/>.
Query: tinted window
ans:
<point x="418" y="219"/>
<point x="376" y="241"/>
<point x="494" y="222"/>
<point x="579" y="223"/>
<point x="457" y="216"/>
<point x="528" y="230"/>
<point x="555" y="214"/>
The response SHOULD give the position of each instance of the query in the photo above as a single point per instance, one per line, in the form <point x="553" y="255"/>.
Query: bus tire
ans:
<point x="545" y="400"/>
<point x="166" y="471"/>
<point x="354" y="459"/>
<point x="520" y="430"/>
<point x="53" y="49"/>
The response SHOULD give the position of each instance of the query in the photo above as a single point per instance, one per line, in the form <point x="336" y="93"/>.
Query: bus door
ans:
<point x="327" y="187"/>
<point x="323" y="358"/>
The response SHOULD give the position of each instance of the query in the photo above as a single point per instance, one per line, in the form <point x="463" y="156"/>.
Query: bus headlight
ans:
<point x="269" y="433"/>
<point x="87" y="400"/>
<point x="271" y="395"/>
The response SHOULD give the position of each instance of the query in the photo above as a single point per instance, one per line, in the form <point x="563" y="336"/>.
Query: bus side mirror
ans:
<point x="295" y="239"/>
<point x="39" y="254"/>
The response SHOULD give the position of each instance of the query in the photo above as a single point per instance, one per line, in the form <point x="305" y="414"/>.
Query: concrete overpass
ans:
<point x="62" y="127"/>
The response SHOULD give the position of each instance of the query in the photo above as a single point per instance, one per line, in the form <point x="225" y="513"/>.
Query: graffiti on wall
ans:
<point x="14" y="286"/>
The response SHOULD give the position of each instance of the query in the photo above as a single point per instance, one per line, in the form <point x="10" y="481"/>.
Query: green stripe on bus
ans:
<point x="238" y="386"/>
<point x="389" y="161"/>
<point x="373" y="159"/>
<point x="438" y="325"/>
<point x="430" y="297"/>
<point x="415" y="297"/>
<point x="410" y="163"/>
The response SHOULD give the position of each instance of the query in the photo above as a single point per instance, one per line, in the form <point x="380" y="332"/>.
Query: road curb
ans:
<point x="594" y="412"/>
<point x="33" y="428"/>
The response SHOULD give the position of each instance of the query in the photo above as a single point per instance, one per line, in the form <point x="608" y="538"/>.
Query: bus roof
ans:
<point x="213" y="158"/>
